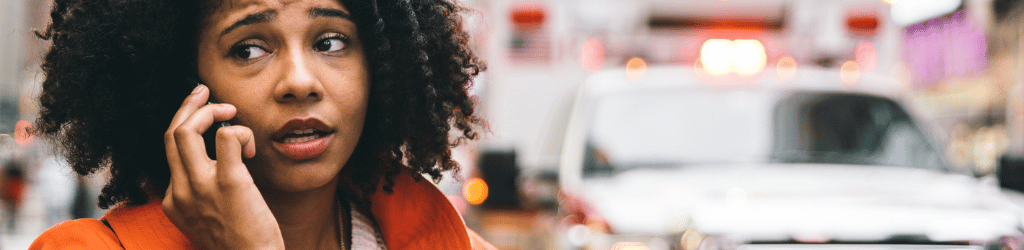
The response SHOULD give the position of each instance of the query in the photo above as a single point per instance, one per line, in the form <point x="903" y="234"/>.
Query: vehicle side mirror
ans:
<point x="1010" y="172"/>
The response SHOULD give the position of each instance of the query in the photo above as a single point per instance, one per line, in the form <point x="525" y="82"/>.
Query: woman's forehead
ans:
<point x="229" y="8"/>
<point x="231" y="11"/>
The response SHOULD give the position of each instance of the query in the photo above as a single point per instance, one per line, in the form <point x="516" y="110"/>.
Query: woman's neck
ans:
<point x="308" y="219"/>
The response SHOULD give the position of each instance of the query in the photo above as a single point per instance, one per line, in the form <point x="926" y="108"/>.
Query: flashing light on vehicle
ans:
<point x="528" y="15"/>
<point x="849" y="72"/>
<point x="475" y="191"/>
<point x="786" y="68"/>
<point x="743" y="57"/>
<point x="749" y="57"/>
<point x="636" y="69"/>
<point x="592" y="55"/>
<point x="716" y="56"/>
<point x="862" y="23"/>
<point x="866" y="57"/>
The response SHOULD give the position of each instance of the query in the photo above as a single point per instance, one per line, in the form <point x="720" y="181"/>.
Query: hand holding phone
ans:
<point x="215" y="203"/>
<point x="210" y="136"/>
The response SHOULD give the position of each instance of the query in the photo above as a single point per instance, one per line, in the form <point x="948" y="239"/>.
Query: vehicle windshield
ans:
<point x="646" y="129"/>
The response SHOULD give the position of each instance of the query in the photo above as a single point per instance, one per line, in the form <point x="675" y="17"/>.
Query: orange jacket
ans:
<point x="415" y="216"/>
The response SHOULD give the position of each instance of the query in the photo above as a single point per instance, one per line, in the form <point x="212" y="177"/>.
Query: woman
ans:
<point x="336" y="110"/>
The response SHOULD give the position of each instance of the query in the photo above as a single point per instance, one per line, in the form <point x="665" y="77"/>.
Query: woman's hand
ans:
<point x="215" y="202"/>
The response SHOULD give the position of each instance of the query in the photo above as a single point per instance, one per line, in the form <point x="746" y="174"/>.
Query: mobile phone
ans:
<point x="210" y="136"/>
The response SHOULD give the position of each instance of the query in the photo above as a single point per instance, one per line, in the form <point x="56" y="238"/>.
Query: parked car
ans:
<point x="674" y="158"/>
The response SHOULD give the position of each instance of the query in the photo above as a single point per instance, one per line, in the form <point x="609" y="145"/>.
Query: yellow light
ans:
<point x="690" y="240"/>
<point x="749" y="57"/>
<point x="636" y="69"/>
<point x="786" y="68"/>
<point x="475" y="191"/>
<point x="716" y="56"/>
<point x="742" y="56"/>
<point x="889" y="2"/>
<point x="849" y="72"/>
<point x="630" y="246"/>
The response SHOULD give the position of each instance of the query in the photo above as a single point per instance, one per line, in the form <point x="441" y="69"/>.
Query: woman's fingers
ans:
<point x="192" y="102"/>
<point x="189" y="139"/>
<point x="215" y="203"/>
<point x="233" y="143"/>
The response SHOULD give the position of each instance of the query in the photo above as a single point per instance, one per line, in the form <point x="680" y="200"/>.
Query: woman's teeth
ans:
<point x="304" y="136"/>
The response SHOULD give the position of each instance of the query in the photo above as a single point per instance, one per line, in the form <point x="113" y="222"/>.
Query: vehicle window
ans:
<point x="849" y="129"/>
<point x="651" y="129"/>
<point x="683" y="128"/>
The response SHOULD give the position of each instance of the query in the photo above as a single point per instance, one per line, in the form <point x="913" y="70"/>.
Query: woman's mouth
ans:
<point x="297" y="136"/>
<point x="302" y="139"/>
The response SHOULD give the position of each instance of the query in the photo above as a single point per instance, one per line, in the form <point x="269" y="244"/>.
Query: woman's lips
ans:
<point x="303" y="148"/>
<point x="303" y="138"/>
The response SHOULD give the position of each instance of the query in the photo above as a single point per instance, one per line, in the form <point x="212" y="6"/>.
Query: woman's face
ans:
<point x="296" y="72"/>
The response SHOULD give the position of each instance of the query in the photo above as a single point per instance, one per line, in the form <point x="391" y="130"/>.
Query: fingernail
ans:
<point x="197" y="89"/>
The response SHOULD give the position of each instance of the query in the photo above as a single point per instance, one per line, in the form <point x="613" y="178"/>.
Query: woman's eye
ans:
<point x="330" y="44"/>
<point x="248" y="52"/>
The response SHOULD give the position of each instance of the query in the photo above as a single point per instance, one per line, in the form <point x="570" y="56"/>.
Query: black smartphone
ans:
<point x="210" y="136"/>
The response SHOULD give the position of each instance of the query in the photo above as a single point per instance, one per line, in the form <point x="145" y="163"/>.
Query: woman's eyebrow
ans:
<point x="262" y="17"/>
<point x="325" y="12"/>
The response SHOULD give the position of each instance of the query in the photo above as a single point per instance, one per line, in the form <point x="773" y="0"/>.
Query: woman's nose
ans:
<point x="299" y="82"/>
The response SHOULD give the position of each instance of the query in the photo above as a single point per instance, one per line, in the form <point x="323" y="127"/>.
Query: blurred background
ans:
<point x="684" y="124"/>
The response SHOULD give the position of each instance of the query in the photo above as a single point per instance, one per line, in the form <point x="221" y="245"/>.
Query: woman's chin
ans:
<point x="290" y="179"/>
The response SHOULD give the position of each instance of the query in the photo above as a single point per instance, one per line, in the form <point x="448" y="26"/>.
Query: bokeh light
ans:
<point x="866" y="57"/>
<point x="592" y="55"/>
<point x="636" y="69"/>
<point x="786" y="68"/>
<point x="23" y="133"/>
<point x="690" y="240"/>
<point x="749" y="57"/>
<point x="742" y="56"/>
<point x="716" y="56"/>
<point x="475" y="191"/>
<point x="849" y="72"/>
<point x="577" y="235"/>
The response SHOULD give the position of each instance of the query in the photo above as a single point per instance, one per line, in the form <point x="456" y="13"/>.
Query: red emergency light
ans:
<point x="862" y="23"/>
<point x="527" y="15"/>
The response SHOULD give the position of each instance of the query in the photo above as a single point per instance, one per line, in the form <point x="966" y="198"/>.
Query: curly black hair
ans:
<point x="116" y="70"/>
